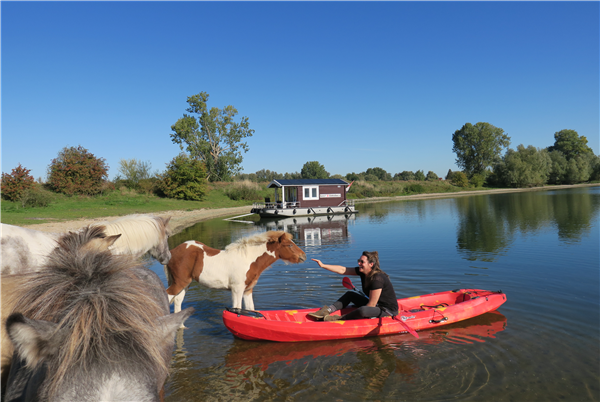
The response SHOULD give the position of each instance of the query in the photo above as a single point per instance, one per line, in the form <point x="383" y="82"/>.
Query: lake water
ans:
<point x="541" y="248"/>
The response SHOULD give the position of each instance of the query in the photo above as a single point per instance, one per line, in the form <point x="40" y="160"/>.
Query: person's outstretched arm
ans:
<point x="338" y="269"/>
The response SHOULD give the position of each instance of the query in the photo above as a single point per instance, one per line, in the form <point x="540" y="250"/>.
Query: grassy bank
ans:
<point x="116" y="203"/>
<point x="123" y="202"/>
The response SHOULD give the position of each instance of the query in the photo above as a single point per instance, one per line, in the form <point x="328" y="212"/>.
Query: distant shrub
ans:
<point x="185" y="179"/>
<point x="460" y="179"/>
<point x="15" y="184"/>
<point x="243" y="190"/>
<point x="77" y="171"/>
<point x="36" y="197"/>
<point x="419" y="175"/>
<point x="477" y="180"/>
<point x="149" y="186"/>
<point x="414" y="188"/>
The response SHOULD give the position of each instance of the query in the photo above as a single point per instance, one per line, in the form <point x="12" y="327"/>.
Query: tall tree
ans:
<point x="478" y="146"/>
<point x="213" y="137"/>
<point x="314" y="170"/>
<point x="570" y="144"/>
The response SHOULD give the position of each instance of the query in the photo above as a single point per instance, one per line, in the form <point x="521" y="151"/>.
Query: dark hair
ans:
<point x="373" y="258"/>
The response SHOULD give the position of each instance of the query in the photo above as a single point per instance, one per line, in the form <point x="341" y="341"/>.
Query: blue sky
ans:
<point x="352" y="85"/>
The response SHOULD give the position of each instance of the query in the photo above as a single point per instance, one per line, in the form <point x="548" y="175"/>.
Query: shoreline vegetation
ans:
<point x="182" y="218"/>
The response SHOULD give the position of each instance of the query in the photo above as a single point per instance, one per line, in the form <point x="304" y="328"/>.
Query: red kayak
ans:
<point x="416" y="314"/>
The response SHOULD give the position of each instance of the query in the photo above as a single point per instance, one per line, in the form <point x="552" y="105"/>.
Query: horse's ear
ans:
<point x="33" y="340"/>
<point x="171" y="322"/>
<point x="110" y="240"/>
<point x="284" y="236"/>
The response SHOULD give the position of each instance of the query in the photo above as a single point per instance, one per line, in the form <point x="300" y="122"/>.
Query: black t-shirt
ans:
<point x="381" y="281"/>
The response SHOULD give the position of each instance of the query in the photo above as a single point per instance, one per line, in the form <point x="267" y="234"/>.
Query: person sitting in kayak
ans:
<point x="381" y="302"/>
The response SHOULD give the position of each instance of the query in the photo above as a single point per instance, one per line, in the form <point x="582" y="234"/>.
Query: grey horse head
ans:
<point x="91" y="326"/>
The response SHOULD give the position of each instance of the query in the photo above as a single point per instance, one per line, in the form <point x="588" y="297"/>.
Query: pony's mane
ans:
<point x="257" y="239"/>
<point x="138" y="232"/>
<point x="100" y="301"/>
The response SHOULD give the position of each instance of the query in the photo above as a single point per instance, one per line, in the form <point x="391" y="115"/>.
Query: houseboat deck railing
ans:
<point x="295" y="204"/>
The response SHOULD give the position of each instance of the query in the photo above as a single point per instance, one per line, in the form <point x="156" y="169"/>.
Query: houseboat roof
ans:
<point x="307" y="182"/>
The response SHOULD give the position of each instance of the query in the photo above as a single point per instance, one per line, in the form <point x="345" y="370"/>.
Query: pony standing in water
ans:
<point x="90" y="326"/>
<point x="24" y="249"/>
<point x="236" y="268"/>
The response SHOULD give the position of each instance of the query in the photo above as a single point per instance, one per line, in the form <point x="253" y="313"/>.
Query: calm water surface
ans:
<point x="541" y="248"/>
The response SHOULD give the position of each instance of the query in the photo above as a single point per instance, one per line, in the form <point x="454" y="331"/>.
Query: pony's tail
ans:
<point x="168" y="275"/>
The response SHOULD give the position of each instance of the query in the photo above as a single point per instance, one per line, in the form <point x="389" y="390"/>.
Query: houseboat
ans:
<point x="302" y="197"/>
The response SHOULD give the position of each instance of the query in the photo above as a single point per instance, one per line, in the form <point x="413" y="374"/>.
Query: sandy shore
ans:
<point x="183" y="219"/>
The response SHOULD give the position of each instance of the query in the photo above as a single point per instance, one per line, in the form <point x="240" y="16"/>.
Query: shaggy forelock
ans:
<point x="109" y="312"/>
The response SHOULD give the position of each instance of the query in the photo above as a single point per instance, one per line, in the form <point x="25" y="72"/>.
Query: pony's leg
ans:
<point x="177" y="300"/>
<point x="237" y="293"/>
<point x="248" y="302"/>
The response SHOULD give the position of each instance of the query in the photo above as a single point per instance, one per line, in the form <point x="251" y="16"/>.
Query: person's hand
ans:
<point x="318" y="262"/>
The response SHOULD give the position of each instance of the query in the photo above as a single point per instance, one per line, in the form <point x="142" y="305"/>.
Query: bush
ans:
<point x="77" y="171"/>
<point x="414" y="189"/>
<point x="419" y="175"/>
<point x="151" y="185"/>
<point x="15" y="184"/>
<point x="36" y="197"/>
<point x="459" y="179"/>
<point x="477" y="180"/>
<point x="243" y="190"/>
<point x="185" y="179"/>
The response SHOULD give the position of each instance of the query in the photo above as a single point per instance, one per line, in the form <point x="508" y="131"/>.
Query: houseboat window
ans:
<point x="311" y="193"/>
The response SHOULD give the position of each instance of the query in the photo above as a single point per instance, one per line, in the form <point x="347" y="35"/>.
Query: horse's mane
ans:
<point x="139" y="232"/>
<point x="257" y="239"/>
<point x="100" y="301"/>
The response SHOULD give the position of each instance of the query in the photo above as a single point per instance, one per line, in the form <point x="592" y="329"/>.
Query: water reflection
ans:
<point x="313" y="230"/>
<point x="487" y="225"/>
<point x="376" y="351"/>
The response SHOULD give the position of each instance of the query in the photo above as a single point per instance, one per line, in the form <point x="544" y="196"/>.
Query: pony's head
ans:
<point x="141" y="234"/>
<point x="281" y="243"/>
<point x="96" y="324"/>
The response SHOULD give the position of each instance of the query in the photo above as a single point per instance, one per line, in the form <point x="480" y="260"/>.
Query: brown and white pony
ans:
<point x="89" y="325"/>
<point x="236" y="268"/>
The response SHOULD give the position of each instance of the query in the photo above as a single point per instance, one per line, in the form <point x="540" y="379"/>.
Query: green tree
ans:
<point x="570" y="144"/>
<point x="77" y="171"/>
<point x="419" y="175"/>
<point x="132" y="171"/>
<point x="460" y="179"/>
<point x="407" y="175"/>
<point x="525" y="167"/>
<point x="559" y="167"/>
<point x="449" y="175"/>
<point x="16" y="184"/>
<point x="185" y="179"/>
<point x="314" y="170"/>
<point x="213" y="137"/>
<point x="431" y="176"/>
<point x="478" y="146"/>
<point x="380" y="173"/>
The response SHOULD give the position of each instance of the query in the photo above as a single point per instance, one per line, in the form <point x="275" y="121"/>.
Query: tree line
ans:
<point x="479" y="150"/>
<point x="212" y="143"/>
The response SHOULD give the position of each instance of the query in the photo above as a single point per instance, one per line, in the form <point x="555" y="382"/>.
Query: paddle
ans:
<point x="348" y="285"/>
